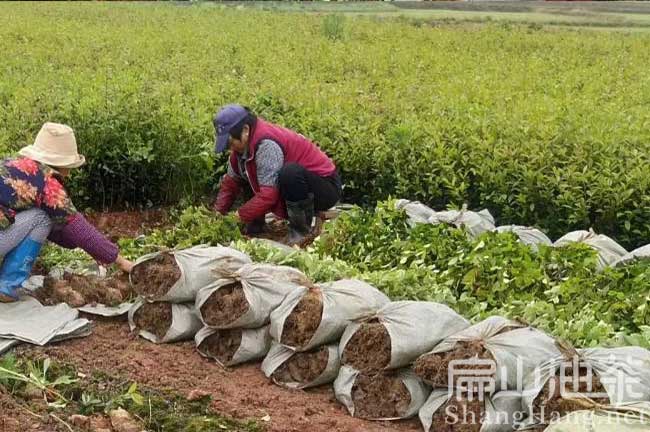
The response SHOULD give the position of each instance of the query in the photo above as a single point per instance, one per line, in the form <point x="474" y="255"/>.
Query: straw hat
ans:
<point x="56" y="146"/>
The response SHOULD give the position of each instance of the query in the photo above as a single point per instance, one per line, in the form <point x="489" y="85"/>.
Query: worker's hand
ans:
<point x="124" y="264"/>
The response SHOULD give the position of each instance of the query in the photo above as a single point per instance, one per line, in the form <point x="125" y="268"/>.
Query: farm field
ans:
<point x="535" y="111"/>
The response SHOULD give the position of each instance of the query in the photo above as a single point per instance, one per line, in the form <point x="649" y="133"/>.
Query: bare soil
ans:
<point x="434" y="368"/>
<point x="225" y="306"/>
<point x="120" y="224"/>
<point x="303" y="367"/>
<point x="154" y="278"/>
<point x="242" y="393"/>
<point x="78" y="290"/>
<point x="222" y="345"/>
<point x="304" y="319"/>
<point x="459" y="415"/>
<point x="369" y="348"/>
<point x="155" y="318"/>
<point x="381" y="395"/>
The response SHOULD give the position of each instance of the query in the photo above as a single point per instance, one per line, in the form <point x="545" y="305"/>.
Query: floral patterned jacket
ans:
<point x="25" y="184"/>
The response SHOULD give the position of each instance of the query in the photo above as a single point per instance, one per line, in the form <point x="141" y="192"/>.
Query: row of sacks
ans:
<point x="168" y="284"/>
<point x="610" y="253"/>
<point x="239" y="311"/>
<point x="388" y="360"/>
<point x="497" y="375"/>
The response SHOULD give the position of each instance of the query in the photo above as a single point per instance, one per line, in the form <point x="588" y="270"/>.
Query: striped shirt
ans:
<point x="269" y="159"/>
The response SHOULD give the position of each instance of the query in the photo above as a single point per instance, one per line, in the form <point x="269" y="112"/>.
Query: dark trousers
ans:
<point x="296" y="183"/>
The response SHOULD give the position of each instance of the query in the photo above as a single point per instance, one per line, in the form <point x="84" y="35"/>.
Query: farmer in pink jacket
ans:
<point x="35" y="206"/>
<point x="288" y="174"/>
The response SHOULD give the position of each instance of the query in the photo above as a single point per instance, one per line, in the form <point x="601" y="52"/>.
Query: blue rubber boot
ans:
<point x="16" y="268"/>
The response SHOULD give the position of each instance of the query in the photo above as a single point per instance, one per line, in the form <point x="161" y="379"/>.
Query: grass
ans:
<point x="65" y="392"/>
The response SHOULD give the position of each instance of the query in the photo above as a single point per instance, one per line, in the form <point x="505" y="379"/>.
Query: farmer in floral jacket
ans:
<point x="35" y="206"/>
<point x="288" y="174"/>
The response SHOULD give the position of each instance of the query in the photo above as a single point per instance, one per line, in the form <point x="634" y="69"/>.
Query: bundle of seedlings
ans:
<point x="448" y="411"/>
<point x="79" y="290"/>
<point x="311" y="317"/>
<point x="397" y="334"/>
<point x="387" y="395"/>
<point x="496" y="348"/>
<point x="164" y="322"/>
<point x="602" y="376"/>
<point x="177" y="276"/>
<point x="609" y="252"/>
<point x="230" y="347"/>
<point x="245" y="298"/>
<point x="299" y="370"/>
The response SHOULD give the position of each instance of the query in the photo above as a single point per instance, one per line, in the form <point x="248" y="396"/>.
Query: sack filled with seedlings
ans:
<point x="163" y="322"/>
<point x="609" y="252"/>
<point x="642" y="253"/>
<point x="247" y="297"/>
<point x="178" y="276"/>
<point x="78" y="290"/>
<point x="597" y="375"/>
<point x="448" y="411"/>
<point x="397" y="334"/>
<point x="527" y="235"/>
<point x="386" y="395"/>
<point x="475" y="223"/>
<point x="498" y="347"/>
<point x="300" y="370"/>
<point x="632" y="417"/>
<point x="311" y="317"/>
<point x="230" y="347"/>
<point x="415" y="210"/>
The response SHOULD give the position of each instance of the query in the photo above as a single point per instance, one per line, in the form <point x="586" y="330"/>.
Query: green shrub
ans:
<point x="544" y="128"/>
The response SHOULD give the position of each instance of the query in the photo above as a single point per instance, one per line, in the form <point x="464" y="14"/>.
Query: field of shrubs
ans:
<point x="545" y="128"/>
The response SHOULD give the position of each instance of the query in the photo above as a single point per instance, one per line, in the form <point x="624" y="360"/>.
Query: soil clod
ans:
<point x="459" y="415"/>
<point x="79" y="290"/>
<point x="304" y="367"/>
<point x="155" y="318"/>
<point x="381" y="395"/>
<point x="434" y="368"/>
<point x="369" y="349"/>
<point x="225" y="306"/>
<point x="222" y="345"/>
<point x="155" y="277"/>
<point x="304" y="319"/>
<point x="560" y="395"/>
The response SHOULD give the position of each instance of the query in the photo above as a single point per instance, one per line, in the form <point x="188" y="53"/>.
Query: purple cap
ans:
<point x="224" y="121"/>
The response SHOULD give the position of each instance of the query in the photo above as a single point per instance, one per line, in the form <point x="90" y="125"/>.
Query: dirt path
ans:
<point x="120" y="224"/>
<point x="241" y="392"/>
